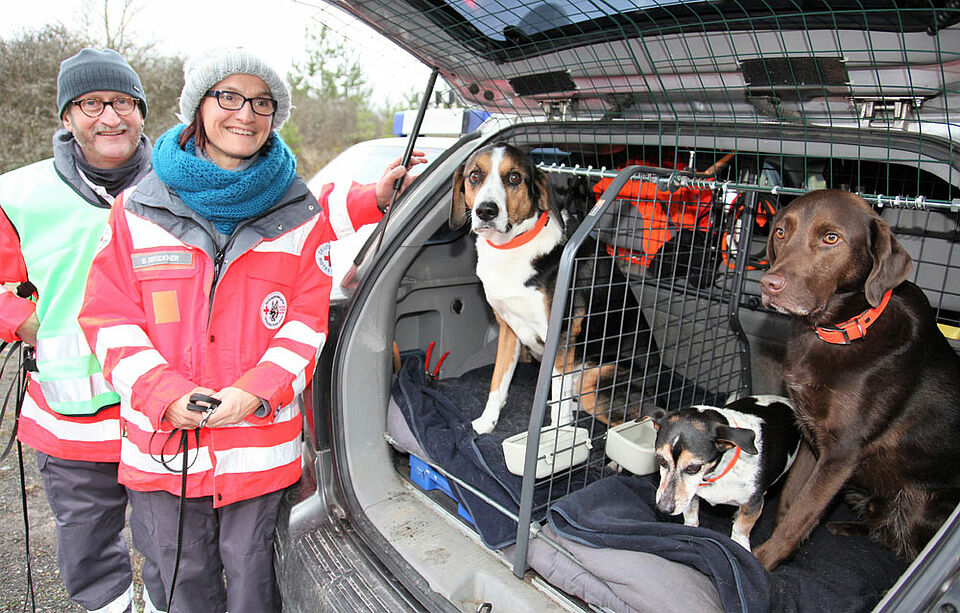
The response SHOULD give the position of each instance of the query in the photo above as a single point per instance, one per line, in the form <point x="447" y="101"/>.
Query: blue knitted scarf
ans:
<point x="225" y="197"/>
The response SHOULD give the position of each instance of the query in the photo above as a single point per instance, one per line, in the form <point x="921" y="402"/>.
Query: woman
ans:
<point x="214" y="278"/>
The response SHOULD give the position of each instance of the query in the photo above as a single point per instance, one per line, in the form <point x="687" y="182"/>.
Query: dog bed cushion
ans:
<point x="438" y="414"/>
<point x="828" y="574"/>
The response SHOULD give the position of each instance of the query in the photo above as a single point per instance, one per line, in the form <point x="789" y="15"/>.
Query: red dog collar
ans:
<point x="526" y="237"/>
<point x="854" y="328"/>
<point x="729" y="467"/>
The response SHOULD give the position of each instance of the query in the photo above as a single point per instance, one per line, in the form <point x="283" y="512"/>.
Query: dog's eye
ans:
<point x="831" y="238"/>
<point x="514" y="178"/>
<point x="475" y="176"/>
<point x="661" y="461"/>
<point x="779" y="232"/>
<point x="693" y="469"/>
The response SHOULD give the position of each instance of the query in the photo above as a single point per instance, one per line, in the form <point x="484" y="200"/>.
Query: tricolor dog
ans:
<point x="724" y="455"/>
<point x="521" y="233"/>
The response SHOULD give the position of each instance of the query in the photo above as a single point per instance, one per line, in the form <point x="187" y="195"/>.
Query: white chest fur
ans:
<point x="741" y="481"/>
<point x="505" y="273"/>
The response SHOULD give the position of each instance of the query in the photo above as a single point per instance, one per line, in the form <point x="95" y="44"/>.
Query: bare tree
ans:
<point x="29" y="65"/>
<point x="332" y="101"/>
<point x="111" y="24"/>
<point x="28" y="85"/>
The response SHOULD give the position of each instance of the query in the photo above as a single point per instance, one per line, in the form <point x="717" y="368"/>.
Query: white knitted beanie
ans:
<point x="205" y="71"/>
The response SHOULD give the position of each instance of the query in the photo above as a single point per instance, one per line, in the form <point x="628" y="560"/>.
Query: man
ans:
<point x="52" y="214"/>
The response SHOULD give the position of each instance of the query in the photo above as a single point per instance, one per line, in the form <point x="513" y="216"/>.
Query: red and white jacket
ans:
<point x="167" y="309"/>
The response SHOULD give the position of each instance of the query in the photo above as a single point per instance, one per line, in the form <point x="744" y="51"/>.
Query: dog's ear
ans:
<point x="891" y="262"/>
<point x="728" y="436"/>
<point x="655" y="416"/>
<point x="458" y="208"/>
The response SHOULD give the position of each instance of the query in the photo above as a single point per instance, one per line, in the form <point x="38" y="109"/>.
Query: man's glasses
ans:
<point x="93" y="107"/>
<point x="232" y="101"/>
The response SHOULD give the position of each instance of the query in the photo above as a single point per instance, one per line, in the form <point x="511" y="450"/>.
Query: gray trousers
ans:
<point x="226" y="562"/>
<point x="89" y="508"/>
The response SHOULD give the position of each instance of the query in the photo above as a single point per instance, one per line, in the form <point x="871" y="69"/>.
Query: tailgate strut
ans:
<point x="350" y="278"/>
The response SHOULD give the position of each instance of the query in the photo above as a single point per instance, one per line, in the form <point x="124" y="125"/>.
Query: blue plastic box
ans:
<point x="423" y="475"/>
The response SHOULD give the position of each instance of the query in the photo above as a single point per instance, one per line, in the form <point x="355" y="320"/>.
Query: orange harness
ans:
<point x="854" y="328"/>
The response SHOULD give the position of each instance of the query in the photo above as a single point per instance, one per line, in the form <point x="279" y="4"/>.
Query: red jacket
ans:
<point x="167" y="310"/>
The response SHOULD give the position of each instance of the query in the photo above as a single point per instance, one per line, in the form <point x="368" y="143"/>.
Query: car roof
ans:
<point x="365" y="161"/>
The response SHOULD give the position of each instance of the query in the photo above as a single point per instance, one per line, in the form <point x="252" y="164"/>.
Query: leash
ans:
<point x="31" y="594"/>
<point x="202" y="404"/>
<point x="17" y="390"/>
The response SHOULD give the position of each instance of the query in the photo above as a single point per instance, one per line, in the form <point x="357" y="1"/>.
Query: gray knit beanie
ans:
<point x="97" y="70"/>
<point x="204" y="72"/>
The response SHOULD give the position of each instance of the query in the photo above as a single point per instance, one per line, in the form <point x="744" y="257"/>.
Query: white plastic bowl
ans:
<point x="631" y="445"/>
<point x="559" y="449"/>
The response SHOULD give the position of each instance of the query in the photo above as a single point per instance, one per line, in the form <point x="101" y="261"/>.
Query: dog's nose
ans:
<point x="773" y="282"/>
<point x="486" y="210"/>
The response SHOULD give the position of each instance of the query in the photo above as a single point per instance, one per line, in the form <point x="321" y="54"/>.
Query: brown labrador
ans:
<point x="874" y="384"/>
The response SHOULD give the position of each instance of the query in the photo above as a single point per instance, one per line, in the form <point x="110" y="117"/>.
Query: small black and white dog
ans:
<point x="521" y="233"/>
<point x="724" y="455"/>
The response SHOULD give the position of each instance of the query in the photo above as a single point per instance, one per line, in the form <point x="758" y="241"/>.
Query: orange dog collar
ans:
<point x="854" y="328"/>
<point x="526" y="237"/>
<point x="728" y="468"/>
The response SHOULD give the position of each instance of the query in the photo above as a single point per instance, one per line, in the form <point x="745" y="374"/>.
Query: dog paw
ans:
<point x="848" y="528"/>
<point x="482" y="425"/>
<point x="767" y="556"/>
<point x="742" y="541"/>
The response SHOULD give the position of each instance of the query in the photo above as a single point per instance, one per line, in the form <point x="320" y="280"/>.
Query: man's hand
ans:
<point x="179" y="416"/>
<point x="393" y="172"/>
<point x="27" y="332"/>
<point x="235" y="406"/>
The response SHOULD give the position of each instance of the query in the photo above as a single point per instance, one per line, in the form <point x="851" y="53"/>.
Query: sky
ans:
<point x="189" y="27"/>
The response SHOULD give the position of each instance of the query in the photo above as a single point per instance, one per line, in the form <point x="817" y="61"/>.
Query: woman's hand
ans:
<point x="179" y="416"/>
<point x="235" y="406"/>
<point x="393" y="172"/>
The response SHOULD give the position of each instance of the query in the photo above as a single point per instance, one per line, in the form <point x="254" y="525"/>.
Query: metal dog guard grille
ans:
<point x="670" y="237"/>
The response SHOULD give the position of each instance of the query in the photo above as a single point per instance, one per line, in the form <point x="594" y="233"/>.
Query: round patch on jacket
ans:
<point x="273" y="310"/>
<point x="323" y="259"/>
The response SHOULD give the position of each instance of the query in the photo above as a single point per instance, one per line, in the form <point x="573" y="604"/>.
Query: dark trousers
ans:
<point x="89" y="508"/>
<point x="226" y="561"/>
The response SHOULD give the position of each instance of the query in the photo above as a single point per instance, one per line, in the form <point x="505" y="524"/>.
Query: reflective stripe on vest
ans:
<point x="65" y="430"/>
<point x="59" y="233"/>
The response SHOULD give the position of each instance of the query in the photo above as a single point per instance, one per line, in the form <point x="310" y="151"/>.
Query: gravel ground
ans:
<point x="49" y="593"/>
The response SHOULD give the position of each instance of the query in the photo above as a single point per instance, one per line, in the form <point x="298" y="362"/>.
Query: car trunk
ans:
<point x="689" y="124"/>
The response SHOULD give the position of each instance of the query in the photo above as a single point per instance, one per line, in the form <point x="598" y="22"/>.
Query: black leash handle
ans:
<point x="202" y="403"/>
